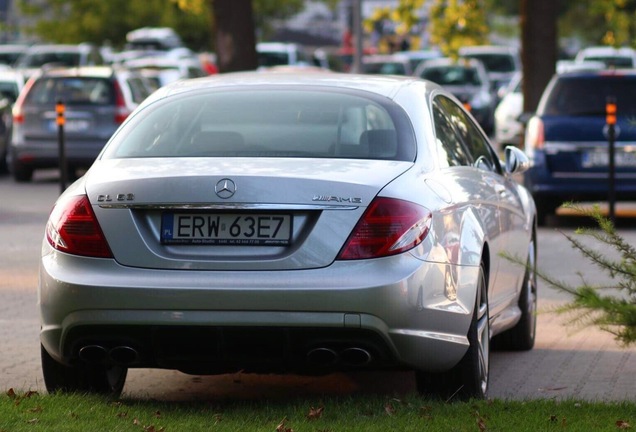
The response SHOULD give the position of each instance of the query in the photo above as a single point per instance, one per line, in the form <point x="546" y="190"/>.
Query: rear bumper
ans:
<point x="545" y="181"/>
<point x="45" y="153"/>
<point x="394" y="309"/>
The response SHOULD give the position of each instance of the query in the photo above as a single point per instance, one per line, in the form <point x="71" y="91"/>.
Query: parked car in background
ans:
<point x="11" y="84"/>
<point x="290" y="223"/>
<point x="468" y="81"/>
<point x="97" y="100"/>
<point x="281" y="53"/>
<point x="567" y="139"/>
<point x="38" y="56"/>
<point x="508" y="128"/>
<point x="623" y="57"/>
<point x="164" y="70"/>
<point x="501" y="62"/>
<point x="153" y="38"/>
<point x="387" y="64"/>
<point x="418" y="56"/>
<point x="9" y="53"/>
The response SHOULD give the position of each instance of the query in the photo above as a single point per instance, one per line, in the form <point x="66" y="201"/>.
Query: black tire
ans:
<point x="522" y="336"/>
<point x="546" y="207"/>
<point x="21" y="173"/>
<point x="83" y="378"/>
<point x="469" y="378"/>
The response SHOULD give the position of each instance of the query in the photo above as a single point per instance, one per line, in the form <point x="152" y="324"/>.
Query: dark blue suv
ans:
<point x="567" y="140"/>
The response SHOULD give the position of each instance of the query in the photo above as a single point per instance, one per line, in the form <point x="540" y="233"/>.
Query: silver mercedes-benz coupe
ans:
<point x="291" y="223"/>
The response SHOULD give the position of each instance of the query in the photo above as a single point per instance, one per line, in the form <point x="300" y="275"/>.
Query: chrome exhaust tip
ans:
<point x="322" y="357"/>
<point x="123" y="355"/>
<point x="355" y="356"/>
<point x="93" y="354"/>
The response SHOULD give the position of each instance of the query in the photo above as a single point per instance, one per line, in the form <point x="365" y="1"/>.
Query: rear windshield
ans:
<point x="388" y="68"/>
<point x="452" y="75"/>
<point x="587" y="96"/>
<point x="272" y="123"/>
<point x="72" y="91"/>
<point x="37" y="60"/>
<point x="613" y="61"/>
<point x="496" y="62"/>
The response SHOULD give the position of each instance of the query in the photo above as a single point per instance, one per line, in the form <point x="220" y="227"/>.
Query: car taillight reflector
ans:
<point x="388" y="227"/>
<point x="121" y="111"/>
<point x="535" y="134"/>
<point x="17" y="112"/>
<point x="73" y="228"/>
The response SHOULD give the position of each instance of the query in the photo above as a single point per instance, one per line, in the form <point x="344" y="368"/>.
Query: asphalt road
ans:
<point x="564" y="364"/>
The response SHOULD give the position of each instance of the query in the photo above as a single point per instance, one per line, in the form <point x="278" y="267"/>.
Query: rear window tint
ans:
<point x="496" y="62"/>
<point x="72" y="91"/>
<point x="272" y="123"/>
<point x="587" y="96"/>
<point x="36" y="60"/>
<point x="452" y="75"/>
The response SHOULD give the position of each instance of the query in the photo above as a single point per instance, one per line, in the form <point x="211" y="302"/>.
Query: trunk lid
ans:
<point x="166" y="213"/>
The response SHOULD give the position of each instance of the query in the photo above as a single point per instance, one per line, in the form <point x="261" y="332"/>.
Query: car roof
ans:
<point x="488" y="49"/>
<point x="81" y="71"/>
<point x="383" y="85"/>
<point x="606" y="50"/>
<point x="598" y="72"/>
<point x="58" y="47"/>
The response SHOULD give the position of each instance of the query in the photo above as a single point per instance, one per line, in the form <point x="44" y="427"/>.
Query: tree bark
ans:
<point x="538" y="48"/>
<point x="234" y="34"/>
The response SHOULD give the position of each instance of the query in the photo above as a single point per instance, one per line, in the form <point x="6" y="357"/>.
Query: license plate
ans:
<point x="233" y="229"/>
<point x="71" y="125"/>
<point x="601" y="159"/>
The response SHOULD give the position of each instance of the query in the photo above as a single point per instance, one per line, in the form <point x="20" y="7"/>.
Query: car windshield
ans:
<point x="268" y="59"/>
<point x="388" y="68"/>
<point x="268" y="123"/>
<point x="588" y="95"/>
<point x="495" y="62"/>
<point x="72" y="91"/>
<point x="452" y="75"/>
<point x="613" y="61"/>
<point x="58" y="58"/>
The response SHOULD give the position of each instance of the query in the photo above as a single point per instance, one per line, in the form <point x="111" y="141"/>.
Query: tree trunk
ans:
<point x="538" y="48"/>
<point x="235" y="39"/>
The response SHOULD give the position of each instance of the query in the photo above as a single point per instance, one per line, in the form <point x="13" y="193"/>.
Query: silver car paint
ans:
<point x="422" y="314"/>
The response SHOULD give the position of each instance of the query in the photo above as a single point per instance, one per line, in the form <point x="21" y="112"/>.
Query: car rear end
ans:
<point x="568" y="139"/>
<point x="248" y="230"/>
<point x="95" y="102"/>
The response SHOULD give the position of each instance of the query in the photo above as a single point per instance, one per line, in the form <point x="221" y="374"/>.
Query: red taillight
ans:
<point x="388" y="227"/>
<point x="121" y="111"/>
<point x="73" y="228"/>
<point x="18" y="114"/>
<point x="534" y="134"/>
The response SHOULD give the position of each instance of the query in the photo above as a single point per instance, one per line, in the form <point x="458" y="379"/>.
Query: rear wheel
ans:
<point x="546" y="207"/>
<point x="21" y="173"/>
<point x="521" y="337"/>
<point x="83" y="378"/>
<point x="469" y="378"/>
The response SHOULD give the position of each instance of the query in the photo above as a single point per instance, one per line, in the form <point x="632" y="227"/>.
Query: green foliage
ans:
<point x="74" y="21"/>
<point x="610" y="307"/>
<point x="457" y="23"/>
<point x="366" y="413"/>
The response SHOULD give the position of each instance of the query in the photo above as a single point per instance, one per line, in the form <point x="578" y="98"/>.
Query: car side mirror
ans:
<point x="516" y="161"/>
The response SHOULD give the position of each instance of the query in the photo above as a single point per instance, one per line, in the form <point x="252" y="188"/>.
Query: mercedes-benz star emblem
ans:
<point x="225" y="188"/>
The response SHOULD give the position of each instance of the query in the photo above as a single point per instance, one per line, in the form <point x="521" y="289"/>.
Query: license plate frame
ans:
<point x="598" y="159"/>
<point x="226" y="228"/>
